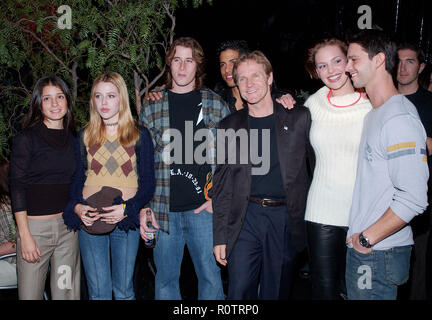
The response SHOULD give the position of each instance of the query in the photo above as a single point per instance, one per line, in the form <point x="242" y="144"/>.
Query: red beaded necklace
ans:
<point x="334" y="105"/>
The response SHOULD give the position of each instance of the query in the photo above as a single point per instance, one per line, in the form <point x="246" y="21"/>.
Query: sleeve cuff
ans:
<point x="402" y="211"/>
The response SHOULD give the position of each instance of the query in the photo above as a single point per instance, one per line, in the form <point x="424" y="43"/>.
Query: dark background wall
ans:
<point x="284" y="29"/>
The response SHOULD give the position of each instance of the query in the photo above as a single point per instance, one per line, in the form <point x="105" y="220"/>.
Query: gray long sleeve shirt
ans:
<point x="392" y="170"/>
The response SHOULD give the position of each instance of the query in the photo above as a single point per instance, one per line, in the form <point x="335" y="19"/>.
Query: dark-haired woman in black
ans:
<point x="42" y="164"/>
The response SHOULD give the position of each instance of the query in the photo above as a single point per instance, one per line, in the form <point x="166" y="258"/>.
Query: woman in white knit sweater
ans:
<point x="337" y="111"/>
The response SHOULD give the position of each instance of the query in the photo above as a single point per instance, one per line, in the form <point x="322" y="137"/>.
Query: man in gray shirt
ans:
<point x="391" y="184"/>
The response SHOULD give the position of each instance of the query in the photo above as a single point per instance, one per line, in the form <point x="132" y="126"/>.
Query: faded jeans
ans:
<point x="196" y="231"/>
<point x="376" y="275"/>
<point x="100" y="253"/>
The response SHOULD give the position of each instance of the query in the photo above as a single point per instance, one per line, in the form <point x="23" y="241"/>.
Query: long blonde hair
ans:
<point x="127" y="129"/>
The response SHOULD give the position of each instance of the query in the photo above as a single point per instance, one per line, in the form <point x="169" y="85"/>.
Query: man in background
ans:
<point x="411" y="65"/>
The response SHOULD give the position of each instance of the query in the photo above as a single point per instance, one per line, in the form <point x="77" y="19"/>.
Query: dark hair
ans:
<point x="237" y="45"/>
<point x="375" y="41"/>
<point x="4" y="182"/>
<point x="35" y="115"/>
<point x="256" y="56"/>
<point x="197" y="55"/>
<point x="411" y="46"/>
<point x="311" y="52"/>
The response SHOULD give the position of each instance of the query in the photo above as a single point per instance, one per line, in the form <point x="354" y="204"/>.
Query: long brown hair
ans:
<point x="127" y="129"/>
<point x="197" y="55"/>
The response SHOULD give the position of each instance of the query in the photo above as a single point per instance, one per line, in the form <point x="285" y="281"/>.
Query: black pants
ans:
<point x="417" y="282"/>
<point x="429" y="266"/>
<point x="262" y="255"/>
<point x="327" y="254"/>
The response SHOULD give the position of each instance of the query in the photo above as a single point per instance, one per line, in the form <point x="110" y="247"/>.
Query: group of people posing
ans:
<point x="347" y="173"/>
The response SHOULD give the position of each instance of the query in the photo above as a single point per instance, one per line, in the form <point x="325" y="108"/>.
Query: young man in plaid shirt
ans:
<point x="181" y="208"/>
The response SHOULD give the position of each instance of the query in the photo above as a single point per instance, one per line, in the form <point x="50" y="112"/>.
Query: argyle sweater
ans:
<point x="112" y="164"/>
<point x="155" y="116"/>
<point x="146" y="183"/>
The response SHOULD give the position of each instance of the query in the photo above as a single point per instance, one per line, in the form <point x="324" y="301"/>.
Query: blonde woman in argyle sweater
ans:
<point x="111" y="151"/>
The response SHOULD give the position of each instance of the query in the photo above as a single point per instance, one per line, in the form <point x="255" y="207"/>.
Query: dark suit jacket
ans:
<point x="232" y="182"/>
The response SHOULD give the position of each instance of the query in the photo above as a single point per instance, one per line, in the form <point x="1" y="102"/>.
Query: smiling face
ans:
<point x="226" y="62"/>
<point x="409" y="67"/>
<point x="253" y="82"/>
<point x="359" y="66"/>
<point x="54" y="106"/>
<point x="106" y="99"/>
<point x="183" y="70"/>
<point x="330" y="63"/>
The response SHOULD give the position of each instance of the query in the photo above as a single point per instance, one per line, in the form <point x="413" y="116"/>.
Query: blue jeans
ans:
<point x="95" y="253"/>
<point x="376" y="276"/>
<point x="196" y="231"/>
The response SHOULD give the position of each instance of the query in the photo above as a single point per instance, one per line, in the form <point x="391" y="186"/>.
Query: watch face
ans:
<point x="364" y="242"/>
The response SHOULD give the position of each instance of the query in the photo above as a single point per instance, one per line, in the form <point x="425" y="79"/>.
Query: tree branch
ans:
<point x="74" y="81"/>
<point x="46" y="47"/>
<point x="5" y="88"/>
<point x="157" y="77"/>
<point x="173" y="21"/>
<point x="101" y="39"/>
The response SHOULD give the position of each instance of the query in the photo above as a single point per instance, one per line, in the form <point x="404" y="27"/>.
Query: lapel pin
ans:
<point x="285" y="128"/>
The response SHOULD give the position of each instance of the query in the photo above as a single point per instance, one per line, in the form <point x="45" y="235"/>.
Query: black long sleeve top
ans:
<point x="41" y="167"/>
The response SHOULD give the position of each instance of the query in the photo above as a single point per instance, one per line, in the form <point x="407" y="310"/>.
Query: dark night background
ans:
<point x="284" y="29"/>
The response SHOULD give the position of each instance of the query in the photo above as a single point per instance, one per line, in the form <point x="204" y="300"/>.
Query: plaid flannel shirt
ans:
<point x="155" y="116"/>
<point x="7" y="227"/>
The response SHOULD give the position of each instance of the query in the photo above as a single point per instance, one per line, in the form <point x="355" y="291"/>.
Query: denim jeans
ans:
<point x="95" y="253"/>
<point x="376" y="276"/>
<point x="196" y="231"/>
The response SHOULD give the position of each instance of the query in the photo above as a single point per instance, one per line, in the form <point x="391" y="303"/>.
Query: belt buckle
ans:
<point x="263" y="200"/>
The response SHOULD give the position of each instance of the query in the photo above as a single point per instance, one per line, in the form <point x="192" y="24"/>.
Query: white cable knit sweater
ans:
<point x="335" y="137"/>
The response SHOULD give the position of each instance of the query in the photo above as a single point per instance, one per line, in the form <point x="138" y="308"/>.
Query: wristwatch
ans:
<point x="364" y="241"/>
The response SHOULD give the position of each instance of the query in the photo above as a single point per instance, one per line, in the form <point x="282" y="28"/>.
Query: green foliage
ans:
<point x="129" y="37"/>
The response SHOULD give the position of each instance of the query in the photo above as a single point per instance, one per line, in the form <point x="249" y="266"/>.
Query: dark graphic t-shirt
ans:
<point x="189" y="181"/>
